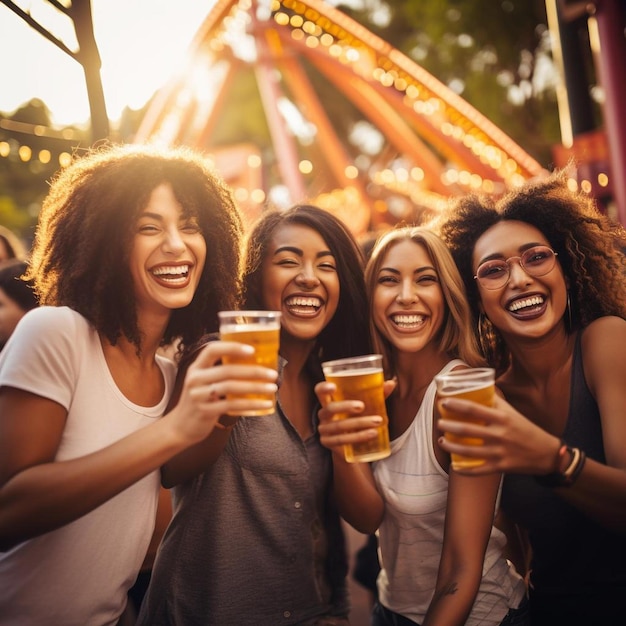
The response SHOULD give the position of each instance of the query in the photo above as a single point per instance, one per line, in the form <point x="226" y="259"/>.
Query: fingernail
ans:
<point x="248" y="349"/>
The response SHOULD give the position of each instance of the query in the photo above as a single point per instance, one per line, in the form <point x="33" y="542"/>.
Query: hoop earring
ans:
<point x="483" y="342"/>
<point x="568" y="310"/>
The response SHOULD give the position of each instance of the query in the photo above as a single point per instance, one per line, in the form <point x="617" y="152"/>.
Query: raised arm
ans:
<point x="39" y="493"/>
<point x="469" y="519"/>
<point x="513" y="443"/>
<point x="205" y="378"/>
<point x="357" y="498"/>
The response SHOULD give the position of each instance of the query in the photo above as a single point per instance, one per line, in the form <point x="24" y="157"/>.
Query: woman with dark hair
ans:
<point x="256" y="538"/>
<point x="441" y="556"/>
<point x="135" y="247"/>
<point x="16" y="297"/>
<point x="547" y="284"/>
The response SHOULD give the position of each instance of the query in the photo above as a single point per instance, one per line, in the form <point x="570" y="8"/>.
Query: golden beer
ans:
<point x="476" y="385"/>
<point x="364" y="384"/>
<point x="265" y="338"/>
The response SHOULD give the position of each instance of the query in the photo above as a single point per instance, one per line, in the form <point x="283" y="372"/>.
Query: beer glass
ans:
<point x="361" y="378"/>
<point x="260" y="329"/>
<point x="476" y="384"/>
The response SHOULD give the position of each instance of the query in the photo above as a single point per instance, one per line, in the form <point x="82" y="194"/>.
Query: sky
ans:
<point x="141" y="43"/>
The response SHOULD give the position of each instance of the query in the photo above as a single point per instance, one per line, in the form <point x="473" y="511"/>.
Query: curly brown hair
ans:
<point x="82" y="245"/>
<point x="590" y="246"/>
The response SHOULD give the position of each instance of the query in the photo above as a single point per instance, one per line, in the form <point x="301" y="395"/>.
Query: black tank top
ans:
<point x="578" y="567"/>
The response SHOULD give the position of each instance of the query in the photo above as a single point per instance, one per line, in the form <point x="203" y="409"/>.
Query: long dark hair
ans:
<point x="347" y="333"/>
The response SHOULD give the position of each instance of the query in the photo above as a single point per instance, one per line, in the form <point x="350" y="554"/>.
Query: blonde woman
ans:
<point x="442" y="558"/>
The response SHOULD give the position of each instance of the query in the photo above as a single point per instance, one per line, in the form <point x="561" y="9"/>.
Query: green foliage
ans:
<point x="24" y="180"/>
<point x="488" y="51"/>
<point x="14" y="218"/>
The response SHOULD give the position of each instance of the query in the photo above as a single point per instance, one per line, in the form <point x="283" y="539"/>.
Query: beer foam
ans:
<point x="453" y="387"/>
<point x="249" y="328"/>
<point x="353" y="372"/>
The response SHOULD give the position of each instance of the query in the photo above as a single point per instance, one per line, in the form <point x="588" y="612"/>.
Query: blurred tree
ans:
<point x="494" y="54"/>
<point x="30" y="153"/>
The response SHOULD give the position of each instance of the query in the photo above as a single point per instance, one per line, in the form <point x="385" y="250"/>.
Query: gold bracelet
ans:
<point x="568" y="476"/>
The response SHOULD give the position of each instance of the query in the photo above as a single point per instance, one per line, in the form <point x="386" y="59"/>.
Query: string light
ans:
<point x="462" y="150"/>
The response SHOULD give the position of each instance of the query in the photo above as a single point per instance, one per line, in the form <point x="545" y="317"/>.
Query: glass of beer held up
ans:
<point x="476" y="384"/>
<point x="260" y="329"/>
<point x="361" y="378"/>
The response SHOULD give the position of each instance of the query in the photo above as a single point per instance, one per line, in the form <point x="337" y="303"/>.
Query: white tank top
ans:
<point x="415" y="488"/>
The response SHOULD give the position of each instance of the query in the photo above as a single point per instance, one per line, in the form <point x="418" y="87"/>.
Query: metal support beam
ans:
<point x="610" y="18"/>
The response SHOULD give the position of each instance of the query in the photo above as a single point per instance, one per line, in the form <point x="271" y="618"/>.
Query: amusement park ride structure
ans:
<point x="431" y="144"/>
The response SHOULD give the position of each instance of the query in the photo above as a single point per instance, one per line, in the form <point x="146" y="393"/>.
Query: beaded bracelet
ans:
<point x="568" y="476"/>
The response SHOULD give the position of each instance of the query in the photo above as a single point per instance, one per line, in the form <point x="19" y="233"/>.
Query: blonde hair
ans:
<point x="456" y="337"/>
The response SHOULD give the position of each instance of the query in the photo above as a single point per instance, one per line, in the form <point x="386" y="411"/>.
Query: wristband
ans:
<point x="568" y="476"/>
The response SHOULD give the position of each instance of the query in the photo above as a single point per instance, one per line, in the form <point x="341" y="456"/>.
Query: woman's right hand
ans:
<point x="341" y="422"/>
<point x="208" y="383"/>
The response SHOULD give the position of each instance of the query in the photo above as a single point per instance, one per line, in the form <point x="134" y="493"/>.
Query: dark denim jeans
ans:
<point x="382" y="616"/>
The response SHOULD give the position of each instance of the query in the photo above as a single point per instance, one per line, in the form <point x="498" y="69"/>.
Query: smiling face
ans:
<point x="525" y="305"/>
<point x="168" y="254"/>
<point x="300" y="279"/>
<point x="407" y="301"/>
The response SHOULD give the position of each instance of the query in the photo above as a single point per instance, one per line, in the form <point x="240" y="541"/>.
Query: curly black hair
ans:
<point x="589" y="244"/>
<point x="82" y="245"/>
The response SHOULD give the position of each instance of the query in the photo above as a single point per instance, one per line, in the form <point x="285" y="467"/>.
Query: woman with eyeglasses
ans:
<point x="546" y="282"/>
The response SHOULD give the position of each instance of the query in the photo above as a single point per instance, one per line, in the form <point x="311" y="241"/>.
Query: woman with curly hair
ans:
<point x="135" y="248"/>
<point x="256" y="538"/>
<point x="546" y="280"/>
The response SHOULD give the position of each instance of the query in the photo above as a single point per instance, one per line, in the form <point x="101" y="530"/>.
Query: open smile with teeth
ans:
<point x="526" y="303"/>
<point x="302" y="304"/>
<point x="407" y="321"/>
<point x="171" y="273"/>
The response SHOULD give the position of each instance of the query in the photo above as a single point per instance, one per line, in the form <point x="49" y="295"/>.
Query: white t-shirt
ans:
<point x="79" y="574"/>
<point x="415" y="490"/>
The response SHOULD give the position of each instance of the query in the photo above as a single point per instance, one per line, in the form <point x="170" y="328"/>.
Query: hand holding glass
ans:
<point x="361" y="378"/>
<point x="260" y="329"/>
<point x="476" y="384"/>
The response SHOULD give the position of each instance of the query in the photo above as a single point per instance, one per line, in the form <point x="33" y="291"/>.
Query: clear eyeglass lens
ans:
<point x="534" y="261"/>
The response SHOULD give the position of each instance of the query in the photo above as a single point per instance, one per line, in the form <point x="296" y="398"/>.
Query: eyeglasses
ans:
<point x="495" y="273"/>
